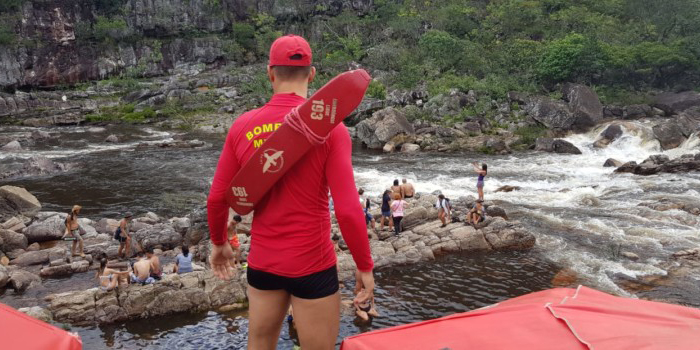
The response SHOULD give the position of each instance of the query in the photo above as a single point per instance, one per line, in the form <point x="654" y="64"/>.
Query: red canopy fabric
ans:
<point x="561" y="318"/>
<point x="19" y="331"/>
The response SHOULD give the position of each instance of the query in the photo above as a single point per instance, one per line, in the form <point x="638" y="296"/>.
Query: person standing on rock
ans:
<point x="123" y="235"/>
<point x="397" y="208"/>
<point x="444" y="209"/>
<point x="386" y="211"/>
<point x="233" y="239"/>
<point x="407" y="189"/>
<point x="72" y="231"/>
<point x="396" y="188"/>
<point x="364" y="201"/>
<point x="480" y="180"/>
<point x="291" y="256"/>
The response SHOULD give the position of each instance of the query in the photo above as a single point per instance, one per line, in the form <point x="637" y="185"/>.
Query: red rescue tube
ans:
<point x="327" y="108"/>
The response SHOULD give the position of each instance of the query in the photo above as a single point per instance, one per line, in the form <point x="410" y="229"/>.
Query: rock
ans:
<point x="4" y="277"/>
<point x="107" y="226"/>
<point x="162" y="235"/>
<point x="630" y="255"/>
<point x="40" y="135"/>
<point x="33" y="247"/>
<point x="494" y="211"/>
<point x="410" y="148"/>
<point x="508" y="188"/>
<point x="65" y="269"/>
<point x="49" y="229"/>
<point x="181" y="225"/>
<point x="670" y="135"/>
<point x="637" y="112"/>
<point x="497" y="145"/>
<point x="585" y="105"/>
<point x="112" y="138"/>
<point x="12" y="146"/>
<point x="21" y="280"/>
<point x="674" y="103"/>
<point x="39" y="257"/>
<point x="552" y="114"/>
<point x="565" y="278"/>
<point x="382" y="127"/>
<point x="610" y="134"/>
<point x="502" y="235"/>
<point x="389" y="147"/>
<point x="556" y="146"/>
<point x="17" y="201"/>
<point x="13" y="224"/>
<point x="612" y="163"/>
<point x="12" y="240"/>
<point x="449" y="104"/>
<point x="518" y="97"/>
<point x="661" y="164"/>
<point x="469" y="239"/>
<point x="656" y="159"/>
<point x="627" y="167"/>
<point x="4" y="261"/>
<point x="37" y="312"/>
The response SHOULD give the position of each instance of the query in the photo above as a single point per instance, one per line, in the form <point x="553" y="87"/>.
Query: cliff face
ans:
<point x="69" y="41"/>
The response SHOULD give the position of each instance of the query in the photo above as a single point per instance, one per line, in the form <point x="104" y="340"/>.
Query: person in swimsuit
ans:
<point x="386" y="211"/>
<point x="72" y="231"/>
<point x="154" y="260"/>
<point x="365" y="203"/>
<point x="142" y="271"/>
<point x="396" y="188"/>
<point x="444" y="210"/>
<point x="291" y="257"/>
<point x="476" y="214"/>
<point x="365" y="309"/>
<point x="407" y="188"/>
<point x="480" y="181"/>
<point x="123" y="236"/>
<point x="109" y="278"/>
<point x="397" y="209"/>
<point x="233" y="240"/>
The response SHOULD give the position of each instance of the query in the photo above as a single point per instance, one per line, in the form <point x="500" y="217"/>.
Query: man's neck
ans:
<point x="297" y="88"/>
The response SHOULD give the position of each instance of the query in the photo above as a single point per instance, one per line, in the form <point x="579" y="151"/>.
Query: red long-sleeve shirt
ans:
<point x="290" y="235"/>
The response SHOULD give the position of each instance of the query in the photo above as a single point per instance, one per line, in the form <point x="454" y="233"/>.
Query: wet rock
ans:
<point x="410" y="148"/>
<point x="39" y="257"/>
<point x="37" y="312"/>
<point x="33" y="247"/>
<point x="627" y="167"/>
<point x="17" y="201"/>
<point x="4" y="277"/>
<point x="494" y="211"/>
<point x="40" y="134"/>
<point x="389" y="147"/>
<point x="670" y="135"/>
<point x="21" y="280"/>
<point x="565" y="278"/>
<point x="630" y="255"/>
<point x="610" y="134"/>
<point x="682" y="164"/>
<point x="382" y="127"/>
<point x="503" y="235"/>
<point x="552" y="114"/>
<point x="656" y="159"/>
<point x="508" y="188"/>
<point x="49" y="229"/>
<point x="65" y="269"/>
<point x="556" y="146"/>
<point x="112" y="139"/>
<point x="12" y="146"/>
<point x="11" y="240"/>
<point x="674" y="103"/>
<point x="13" y="224"/>
<point x="35" y="166"/>
<point x="611" y="162"/>
<point x="585" y="105"/>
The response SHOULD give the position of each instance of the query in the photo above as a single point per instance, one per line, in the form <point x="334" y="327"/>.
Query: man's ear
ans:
<point x="270" y="74"/>
<point x="312" y="74"/>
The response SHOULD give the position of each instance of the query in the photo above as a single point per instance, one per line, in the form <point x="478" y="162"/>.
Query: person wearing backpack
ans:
<point x="123" y="236"/>
<point x="72" y="231"/>
<point x="444" y="209"/>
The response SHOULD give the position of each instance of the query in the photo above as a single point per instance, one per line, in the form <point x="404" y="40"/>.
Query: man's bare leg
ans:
<point x="317" y="321"/>
<point x="266" y="311"/>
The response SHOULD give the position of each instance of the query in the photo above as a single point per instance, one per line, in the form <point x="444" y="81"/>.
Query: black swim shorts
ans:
<point x="314" y="286"/>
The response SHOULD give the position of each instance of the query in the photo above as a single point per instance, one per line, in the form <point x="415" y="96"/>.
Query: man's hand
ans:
<point x="364" y="279"/>
<point x="220" y="261"/>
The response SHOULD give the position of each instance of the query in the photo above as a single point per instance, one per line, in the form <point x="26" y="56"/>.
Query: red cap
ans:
<point x="290" y="50"/>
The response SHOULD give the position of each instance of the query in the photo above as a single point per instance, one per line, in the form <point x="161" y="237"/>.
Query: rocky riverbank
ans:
<point x="31" y="251"/>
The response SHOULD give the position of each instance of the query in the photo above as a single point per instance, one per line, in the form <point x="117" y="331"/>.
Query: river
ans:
<point x="582" y="214"/>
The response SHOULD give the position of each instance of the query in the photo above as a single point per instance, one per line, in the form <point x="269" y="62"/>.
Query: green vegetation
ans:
<point x="7" y="6"/>
<point x="126" y="113"/>
<point x="7" y="34"/>
<point x="376" y="90"/>
<point x="529" y="134"/>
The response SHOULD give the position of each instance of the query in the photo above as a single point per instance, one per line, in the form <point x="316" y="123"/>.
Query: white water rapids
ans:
<point x="582" y="213"/>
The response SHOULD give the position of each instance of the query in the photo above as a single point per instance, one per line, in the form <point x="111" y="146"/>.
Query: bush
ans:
<point x="376" y="90"/>
<point x="109" y="28"/>
<point x="7" y="35"/>
<point x="530" y="134"/>
<point x="7" y="6"/>
<point x="446" y="82"/>
<point x="573" y="58"/>
<point x="244" y="35"/>
<point x="442" y="48"/>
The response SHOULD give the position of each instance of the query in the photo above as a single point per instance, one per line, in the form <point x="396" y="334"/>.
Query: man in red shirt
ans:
<point x="291" y="256"/>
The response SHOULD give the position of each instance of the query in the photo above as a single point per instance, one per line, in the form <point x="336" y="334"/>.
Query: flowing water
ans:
<point x="582" y="214"/>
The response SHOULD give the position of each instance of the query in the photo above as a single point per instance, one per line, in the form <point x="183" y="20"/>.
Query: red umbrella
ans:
<point x="19" y="331"/>
<point x="561" y="318"/>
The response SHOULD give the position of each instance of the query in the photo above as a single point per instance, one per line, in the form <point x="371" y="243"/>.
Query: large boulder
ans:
<point x="585" y="105"/>
<point x="39" y="257"/>
<point x="11" y="146"/>
<point x="107" y="226"/>
<point x="555" y="146"/>
<point x="550" y="113"/>
<point x="610" y="134"/>
<point x="503" y="235"/>
<point x="450" y="104"/>
<point x="37" y="312"/>
<point x="17" y="201"/>
<point x="637" y="112"/>
<point x="611" y="162"/>
<point x="49" y="229"/>
<point x="159" y="235"/>
<point x="674" y="103"/>
<point x="10" y="240"/>
<point x="21" y="280"/>
<point x="382" y="127"/>
<point x="670" y="135"/>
